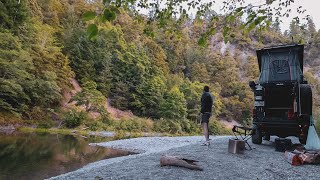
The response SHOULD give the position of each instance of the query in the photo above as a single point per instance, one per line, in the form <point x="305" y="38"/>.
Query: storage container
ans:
<point x="236" y="146"/>
<point x="282" y="144"/>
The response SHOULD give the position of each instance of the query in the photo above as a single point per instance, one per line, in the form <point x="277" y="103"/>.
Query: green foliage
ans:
<point x="74" y="118"/>
<point x="90" y="97"/>
<point x="174" y="105"/>
<point x="216" y="128"/>
<point x="91" y="60"/>
<point x="94" y="125"/>
<point x="104" y="117"/>
<point x="12" y="14"/>
<point x="150" y="95"/>
<point x="317" y="125"/>
<point x="259" y="16"/>
<point x="92" y="31"/>
<point x="45" y="124"/>
<point x="168" y="126"/>
<point x="134" y="125"/>
<point x="47" y="55"/>
<point x="15" y="65"/>
<point x="45" y="91"/>
<point x="89" y="15"/>
<point x="192" y="92"/>
<point x="109" y="15"/>
<point x="153" y="67"/>
<point x="176" y="127"/>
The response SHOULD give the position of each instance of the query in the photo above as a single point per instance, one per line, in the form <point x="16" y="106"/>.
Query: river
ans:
<point x="39" y="156"/>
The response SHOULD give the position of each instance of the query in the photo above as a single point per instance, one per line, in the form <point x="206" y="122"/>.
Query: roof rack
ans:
<point x="281" y="46"/>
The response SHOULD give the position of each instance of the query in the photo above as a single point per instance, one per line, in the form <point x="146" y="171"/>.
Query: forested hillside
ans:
<point x="155" y="71"/>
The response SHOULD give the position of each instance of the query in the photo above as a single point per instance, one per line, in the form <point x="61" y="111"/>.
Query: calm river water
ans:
<point x="39" y="156"/>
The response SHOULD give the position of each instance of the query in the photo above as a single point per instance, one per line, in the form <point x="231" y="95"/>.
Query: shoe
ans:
<point x="207" y="143"/>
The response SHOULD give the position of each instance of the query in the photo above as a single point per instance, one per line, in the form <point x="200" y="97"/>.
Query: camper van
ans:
<point x="282" y="97"/>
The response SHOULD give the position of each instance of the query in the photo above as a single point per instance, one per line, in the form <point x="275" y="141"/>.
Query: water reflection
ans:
<point x="39" y="156"/>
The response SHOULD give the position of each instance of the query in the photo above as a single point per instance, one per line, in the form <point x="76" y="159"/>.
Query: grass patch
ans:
<point x="52" y="131"/>
<point x="217" y="128"/>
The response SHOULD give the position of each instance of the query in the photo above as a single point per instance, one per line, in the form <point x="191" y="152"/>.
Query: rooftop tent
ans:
<point x="281" y="63"/>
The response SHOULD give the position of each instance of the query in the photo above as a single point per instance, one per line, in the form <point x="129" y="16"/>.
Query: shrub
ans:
<point x="190" y="127"/>
<point x="45" y="124"/>
<point x="216" y="128"/>
<point x="134" y="125"/>
<point x="317" y="125"/>
<point x="74" y="119"/>
<point x="106" y="119"/>
<point x="94" y="126"/>
<point x="167" y="126"/>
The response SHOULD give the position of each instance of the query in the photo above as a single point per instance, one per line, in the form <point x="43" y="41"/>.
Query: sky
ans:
<point x="312" y="8"/>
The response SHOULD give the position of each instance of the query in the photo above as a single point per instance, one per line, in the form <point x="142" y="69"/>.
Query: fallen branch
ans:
<point x="180" y="162"/>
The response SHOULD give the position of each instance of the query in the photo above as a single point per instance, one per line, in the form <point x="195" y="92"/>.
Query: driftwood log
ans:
<point x="180" y="162"/>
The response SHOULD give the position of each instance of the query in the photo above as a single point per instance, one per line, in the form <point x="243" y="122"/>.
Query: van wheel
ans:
<point x="257" y="135"/>
<point x="266" y="137"/>
<point x="303" y="140"/>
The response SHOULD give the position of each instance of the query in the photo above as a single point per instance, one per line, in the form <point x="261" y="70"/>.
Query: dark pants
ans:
<point x="205" y="117"/>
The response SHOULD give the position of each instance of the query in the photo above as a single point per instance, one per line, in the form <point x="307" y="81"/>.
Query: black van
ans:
<point x="282" y="98"/>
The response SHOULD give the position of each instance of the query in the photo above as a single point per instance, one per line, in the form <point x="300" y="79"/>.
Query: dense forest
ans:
<point x="156" y="72"/>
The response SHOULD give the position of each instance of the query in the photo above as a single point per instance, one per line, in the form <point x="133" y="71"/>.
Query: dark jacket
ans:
<point x="206" y="102"/>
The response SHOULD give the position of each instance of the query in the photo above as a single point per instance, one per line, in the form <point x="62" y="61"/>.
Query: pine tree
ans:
<point x="14" y="76"/>
<point x="90" y="97"/>
<point x="13" y="14"/>
<point x="173" y="105"/>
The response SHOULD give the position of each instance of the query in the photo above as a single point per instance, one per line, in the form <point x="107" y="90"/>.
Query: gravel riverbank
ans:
<point x="263" y="162"/>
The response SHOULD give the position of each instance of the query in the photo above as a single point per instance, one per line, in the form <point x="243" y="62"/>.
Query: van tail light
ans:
<point x="290" y="114"/>
<point x="254" y="113"/>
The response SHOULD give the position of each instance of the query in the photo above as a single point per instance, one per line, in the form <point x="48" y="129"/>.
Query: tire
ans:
<point x="303" y="140"/>
<point x="305" y="99"/>
<point x="257" y="136"/>
<point x="266" y="137"/>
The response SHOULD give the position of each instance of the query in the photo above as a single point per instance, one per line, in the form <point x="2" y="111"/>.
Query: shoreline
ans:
<point x="143" y="146"/>
<point x="263" y="162"/>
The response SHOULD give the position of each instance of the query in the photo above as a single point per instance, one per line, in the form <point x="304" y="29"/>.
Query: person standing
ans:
<point x="206" y="112"/>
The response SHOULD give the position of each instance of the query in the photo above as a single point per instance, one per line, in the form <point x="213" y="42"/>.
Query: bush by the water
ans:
<point x="74" y="119"/>
<point x="45" y="124"/>
<point x="176" y="126"/>
<point x="134" y="125"/>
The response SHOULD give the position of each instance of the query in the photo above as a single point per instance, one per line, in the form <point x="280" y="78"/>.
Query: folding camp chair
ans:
<point x="244" y="132"/>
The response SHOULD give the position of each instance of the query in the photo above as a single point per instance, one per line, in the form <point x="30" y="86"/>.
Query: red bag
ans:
<point x="293" y="158"/>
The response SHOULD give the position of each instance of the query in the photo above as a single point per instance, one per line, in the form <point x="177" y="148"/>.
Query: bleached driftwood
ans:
<point x="180" y="162"/>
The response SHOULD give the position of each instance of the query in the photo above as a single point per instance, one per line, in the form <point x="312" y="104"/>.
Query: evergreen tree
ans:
<point x="311" y="31"/>
<point x="90" y="97"/>
<point x="173" y="105"/>
<point x="15" y="64"/>
<point x="13" y="14"/>
<point x="295" y="32"/>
